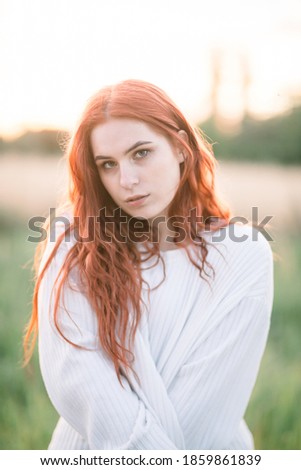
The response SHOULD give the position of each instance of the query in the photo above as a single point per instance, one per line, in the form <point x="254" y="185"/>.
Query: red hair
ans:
<point x="109" y="270"/>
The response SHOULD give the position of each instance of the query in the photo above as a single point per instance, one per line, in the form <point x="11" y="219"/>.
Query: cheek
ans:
<point x="171" y="173"/>
<point x="107" y="183"/>
<point x="165" y="168"/>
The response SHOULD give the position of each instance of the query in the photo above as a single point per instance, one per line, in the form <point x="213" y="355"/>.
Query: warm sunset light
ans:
<point x="216" y="358"/>
<point x="54" y="54"/>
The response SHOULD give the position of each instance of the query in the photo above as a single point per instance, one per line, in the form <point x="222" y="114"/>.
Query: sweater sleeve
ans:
<point x="221" y="372"/>
<point x="82" y="383"/>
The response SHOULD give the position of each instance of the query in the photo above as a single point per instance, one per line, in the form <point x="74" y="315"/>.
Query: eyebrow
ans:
<point x="137" y="144"/>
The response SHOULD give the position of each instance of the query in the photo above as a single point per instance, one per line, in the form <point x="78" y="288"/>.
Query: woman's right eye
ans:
<point x="108" y="165"/>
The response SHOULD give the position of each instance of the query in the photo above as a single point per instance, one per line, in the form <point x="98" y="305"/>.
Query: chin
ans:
<point x="146" y="212"/>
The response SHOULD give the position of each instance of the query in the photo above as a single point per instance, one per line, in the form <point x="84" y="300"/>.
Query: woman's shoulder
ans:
<point x="59" y="237"/>
<point x="242" y="259"/>
<point x="243" y="249"/>
<point x="243" y="238"/>
<point x="62" y="223"/>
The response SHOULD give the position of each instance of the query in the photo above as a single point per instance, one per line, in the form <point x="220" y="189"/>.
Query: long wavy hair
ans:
<point x="110" y="271"/>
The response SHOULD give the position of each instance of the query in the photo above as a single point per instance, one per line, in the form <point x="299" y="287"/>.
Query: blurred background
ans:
<point x="234" y="69"/>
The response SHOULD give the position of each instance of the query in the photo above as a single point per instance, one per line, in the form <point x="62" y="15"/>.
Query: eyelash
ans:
<point x="140" y="158"/>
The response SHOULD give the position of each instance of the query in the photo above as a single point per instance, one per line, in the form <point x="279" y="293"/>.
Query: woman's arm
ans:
<point x="82" y="384"/>
<point x="212" y="389"/>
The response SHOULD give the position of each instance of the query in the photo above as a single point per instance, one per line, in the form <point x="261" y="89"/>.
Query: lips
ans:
<point x="137" y="201"/>
<point x="136" y="198"/>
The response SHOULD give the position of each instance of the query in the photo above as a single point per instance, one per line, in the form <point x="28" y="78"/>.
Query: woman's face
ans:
<point x="134" y="160"/>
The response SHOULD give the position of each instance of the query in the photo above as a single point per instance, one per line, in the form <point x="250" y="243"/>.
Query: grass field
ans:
<point x="27" y="417"/>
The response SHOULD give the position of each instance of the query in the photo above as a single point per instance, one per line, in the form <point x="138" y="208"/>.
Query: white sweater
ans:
<point x="197" y="352"/>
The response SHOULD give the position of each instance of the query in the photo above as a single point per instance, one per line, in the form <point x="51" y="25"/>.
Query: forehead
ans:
<point x="118" y="134"/>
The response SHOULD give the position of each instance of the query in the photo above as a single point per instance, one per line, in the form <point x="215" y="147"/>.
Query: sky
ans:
<point x="56" y="53"/>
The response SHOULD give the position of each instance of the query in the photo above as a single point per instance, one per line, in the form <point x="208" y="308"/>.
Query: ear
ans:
<point x="180" y="148"/>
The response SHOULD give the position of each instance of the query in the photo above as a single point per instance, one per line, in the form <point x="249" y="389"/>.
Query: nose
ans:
<point x="128" y="177"/>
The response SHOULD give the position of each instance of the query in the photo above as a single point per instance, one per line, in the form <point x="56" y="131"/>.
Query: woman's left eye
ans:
<point x="142" y="153"/>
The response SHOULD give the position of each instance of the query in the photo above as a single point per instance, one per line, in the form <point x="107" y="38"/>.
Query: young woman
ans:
<point x="152" y="306"/>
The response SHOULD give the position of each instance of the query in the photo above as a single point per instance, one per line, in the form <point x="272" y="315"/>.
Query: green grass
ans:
<point x="27" y="417"/>
<point x="274" y="414"/>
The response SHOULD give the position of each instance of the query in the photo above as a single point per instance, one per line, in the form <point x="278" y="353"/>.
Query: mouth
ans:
<point x="135" y="200"/>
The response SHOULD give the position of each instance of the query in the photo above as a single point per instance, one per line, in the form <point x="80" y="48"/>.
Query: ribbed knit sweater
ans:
<point x="197" y="352"/>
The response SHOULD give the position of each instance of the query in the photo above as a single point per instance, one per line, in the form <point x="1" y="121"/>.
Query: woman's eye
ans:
<point x="142" y="153"/>
<point x="108" y="165"/>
